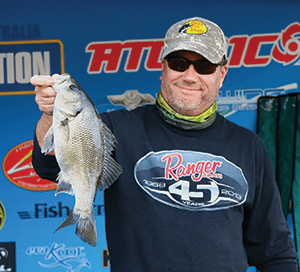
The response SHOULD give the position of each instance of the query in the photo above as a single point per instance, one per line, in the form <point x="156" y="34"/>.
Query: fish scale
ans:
<point x="83" y="145"/>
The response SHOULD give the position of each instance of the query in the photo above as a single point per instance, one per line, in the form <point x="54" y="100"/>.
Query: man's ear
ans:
<point x="224" y="72"/>
<point x="163" y="65"/>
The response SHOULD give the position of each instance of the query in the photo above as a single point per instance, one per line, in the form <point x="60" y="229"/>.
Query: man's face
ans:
<point x="188" y="92"/>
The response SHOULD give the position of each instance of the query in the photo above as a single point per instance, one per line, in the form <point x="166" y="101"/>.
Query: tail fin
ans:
<point x="71" y="219"/>
<point x="86" y="226"/>
<point x="86" y="229"/>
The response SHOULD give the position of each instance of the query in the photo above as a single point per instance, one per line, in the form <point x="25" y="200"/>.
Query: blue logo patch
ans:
<point x="193" y="181"/>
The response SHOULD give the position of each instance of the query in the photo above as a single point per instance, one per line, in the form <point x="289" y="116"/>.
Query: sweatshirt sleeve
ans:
<point x="267" y="236"/>
<point x="44" y="165"/>
<point x="281" y="267"/>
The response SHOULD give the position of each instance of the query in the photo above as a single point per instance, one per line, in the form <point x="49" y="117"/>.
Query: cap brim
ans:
<point x="204" y="50"/>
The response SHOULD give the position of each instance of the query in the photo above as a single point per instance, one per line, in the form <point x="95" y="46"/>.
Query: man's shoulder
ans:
<point x="238" y="131"/>
<point x="123" y="115"/>
<point x="123" y="112"/>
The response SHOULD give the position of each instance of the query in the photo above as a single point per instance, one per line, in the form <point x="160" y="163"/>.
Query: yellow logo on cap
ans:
<point x="194" y="27"/>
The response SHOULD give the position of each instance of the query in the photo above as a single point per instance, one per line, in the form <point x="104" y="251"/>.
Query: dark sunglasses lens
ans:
<point x="201" y="67"/>
<point x="178" y="64"/>
<point x="205" y="67"/>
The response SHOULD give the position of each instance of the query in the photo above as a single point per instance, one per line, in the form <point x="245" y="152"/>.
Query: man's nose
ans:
<point x="190" y="74"/>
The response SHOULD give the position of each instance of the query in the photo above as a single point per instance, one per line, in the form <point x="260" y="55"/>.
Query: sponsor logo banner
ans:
<point x="8" y="257"/>
<point x="18" y="168"/>
<point x="2" y="216"/>
<point x="59" y="255"/>
<point x="257" y="50"/>
<point x="45" y="210"/>
<point x="20" y="60"/>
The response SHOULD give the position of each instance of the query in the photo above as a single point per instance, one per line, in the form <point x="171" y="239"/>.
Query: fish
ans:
<point x="83" y="147"/>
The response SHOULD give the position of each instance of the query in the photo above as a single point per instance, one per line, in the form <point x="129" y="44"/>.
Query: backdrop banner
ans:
<point x="113" y="50"/>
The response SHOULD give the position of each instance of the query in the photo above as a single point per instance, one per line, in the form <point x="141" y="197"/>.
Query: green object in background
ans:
<point x="296" y="184"/>
<point x="278" y="125"/>
<point x="285" y="147"/>
<point x="267" y="125"/>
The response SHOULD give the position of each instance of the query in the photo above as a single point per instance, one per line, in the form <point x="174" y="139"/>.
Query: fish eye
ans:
<point x="73" y="87"/>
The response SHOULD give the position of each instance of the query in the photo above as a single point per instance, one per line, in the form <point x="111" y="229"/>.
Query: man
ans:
<point x="197" y="192"/>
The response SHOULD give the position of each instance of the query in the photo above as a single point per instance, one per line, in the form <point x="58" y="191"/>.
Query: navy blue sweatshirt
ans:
<point x="200" y="200"/>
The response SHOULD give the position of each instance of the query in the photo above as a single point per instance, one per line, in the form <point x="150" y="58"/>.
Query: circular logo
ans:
<point x="191" y="180"/>
<point x="2" y="215"/>
<point x="18" y="168"/>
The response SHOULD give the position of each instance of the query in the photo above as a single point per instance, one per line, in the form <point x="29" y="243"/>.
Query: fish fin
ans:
<point x="109" y="138"/>
<point x="71" y="219"/>
<point x="48" y="144"/>
<point x="86" y="226"/>
<point x="111" y="171"/>
<point x="63" y="186"/>
<point x="86" y="229"/>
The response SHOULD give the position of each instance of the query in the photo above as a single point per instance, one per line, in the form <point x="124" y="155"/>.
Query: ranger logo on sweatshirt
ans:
<point x="191" y="180"/>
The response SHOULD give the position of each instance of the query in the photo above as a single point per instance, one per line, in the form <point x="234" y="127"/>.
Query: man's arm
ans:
<point x="45" y="166"/>
<point x="267" y="236"/>
<point x="41" y="129"/>
<point x="44" y="97"/>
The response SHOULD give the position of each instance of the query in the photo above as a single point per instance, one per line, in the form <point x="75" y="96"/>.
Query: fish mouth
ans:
<point x="64" y="80"/>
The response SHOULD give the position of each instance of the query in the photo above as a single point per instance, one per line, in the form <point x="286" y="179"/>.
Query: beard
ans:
<point x="192" y="103"/>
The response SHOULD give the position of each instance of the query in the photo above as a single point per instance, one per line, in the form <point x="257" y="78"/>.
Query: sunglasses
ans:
<point x="202" y="67"/>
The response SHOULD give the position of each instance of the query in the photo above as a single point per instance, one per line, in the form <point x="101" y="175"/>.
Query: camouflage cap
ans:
<point x="197" y="35"/>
